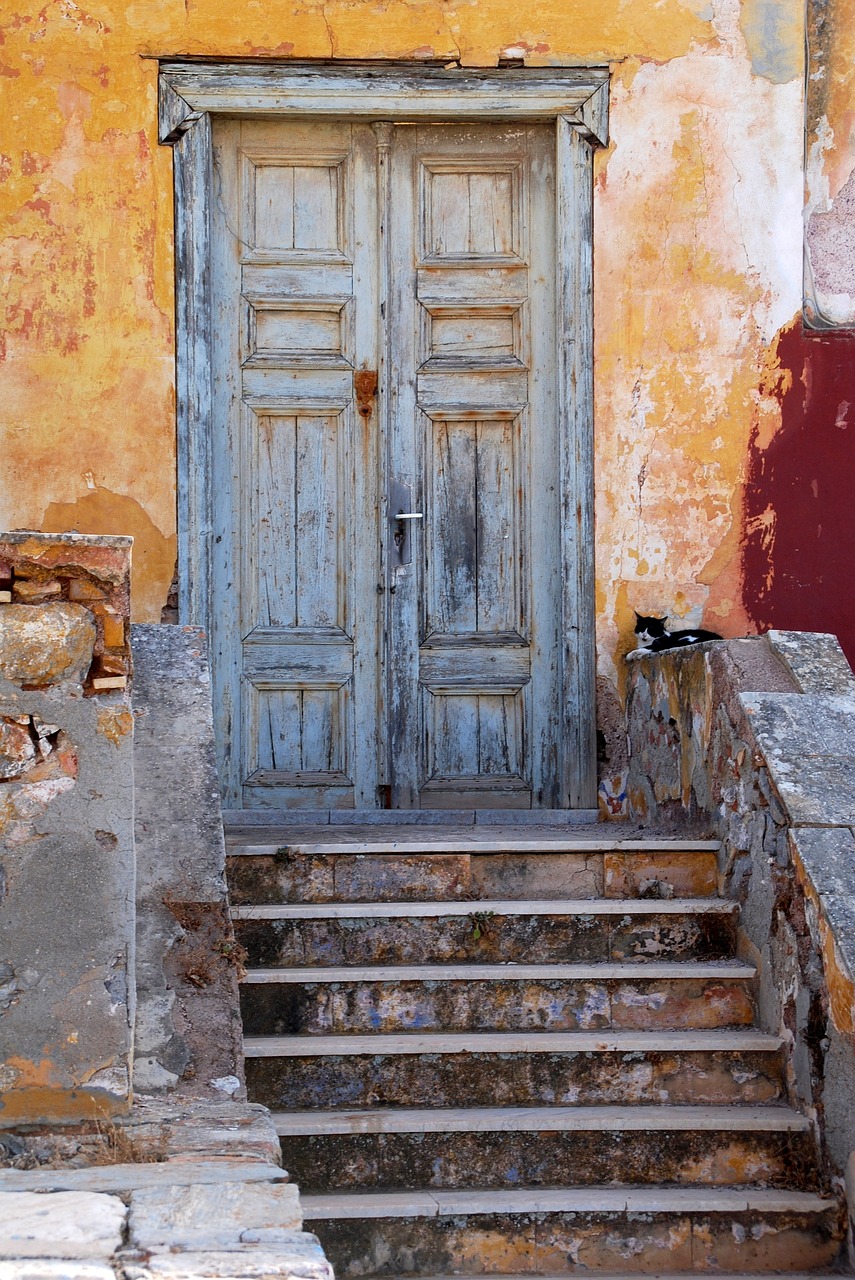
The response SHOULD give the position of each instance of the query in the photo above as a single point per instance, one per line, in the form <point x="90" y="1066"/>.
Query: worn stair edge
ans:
<point x="658" y="1275"/>
<point x="497" y="906"/>
<point x="511" y="1042"/>
<point x="548" y="842"/>
<point x="511" y="972"/>
<point x="706" y="1119"/>
<point x="598" y="1199"/>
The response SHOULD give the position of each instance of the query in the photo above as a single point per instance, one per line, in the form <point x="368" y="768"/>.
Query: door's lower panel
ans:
<point x="279" y="789"/>
<point x="476" y="793"/>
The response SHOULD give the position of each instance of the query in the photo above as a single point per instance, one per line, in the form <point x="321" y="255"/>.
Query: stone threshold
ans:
<point x="495" y="840"/>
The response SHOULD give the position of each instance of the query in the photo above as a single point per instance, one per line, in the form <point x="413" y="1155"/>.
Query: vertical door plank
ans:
<point x="320" y="735"/>
<point x="316" y="212"/>
<point x="320" y="522"/>
<point x="362" y="465"/>
<point x="497" y="528"/>
<point x="273" y="530"/>
<point x="490" y="214"/>
<point x="273" y="206"/>
<point x="414" y="221"/>
<point x="575" y="382"/>
<point x="280" y="728"/>
<point x="451" y="529"/>
<point x="449" y="213"/>
<point x="226" y="603"/>
<point x="498" y="734"/>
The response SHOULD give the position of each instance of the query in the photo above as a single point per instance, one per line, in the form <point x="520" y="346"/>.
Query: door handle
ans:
<point x="401" y="522"/>
<point x="401" y="536"/>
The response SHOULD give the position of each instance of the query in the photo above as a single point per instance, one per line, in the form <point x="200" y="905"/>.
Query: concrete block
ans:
<point x="212" y="1217"/>
<point x="809" y="745"/>
<point x="121" y="1178"/>
<point x="65" y="1224"/>
<point x="815" y="660"/>
<point x="297" y="1255"/>
<point x="828" y="857"/>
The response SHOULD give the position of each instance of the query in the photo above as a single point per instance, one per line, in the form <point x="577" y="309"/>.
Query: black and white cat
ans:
<point x="655" y="636"/>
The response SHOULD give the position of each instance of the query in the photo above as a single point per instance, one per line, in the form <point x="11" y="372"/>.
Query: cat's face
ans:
<point x="648" y="629"/>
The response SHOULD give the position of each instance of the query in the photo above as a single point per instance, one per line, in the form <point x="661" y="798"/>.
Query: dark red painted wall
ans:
<point x="804" y="578"/>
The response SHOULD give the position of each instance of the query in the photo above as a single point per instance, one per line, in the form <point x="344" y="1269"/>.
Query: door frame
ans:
<point x="575" y="101"/>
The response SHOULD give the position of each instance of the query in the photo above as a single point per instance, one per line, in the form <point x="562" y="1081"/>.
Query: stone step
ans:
<point x="489" y="931"/>
<point x="495" y="1146"/>
<point x="575" y="1230"/>
<point x="514" y="997"/>
<point x="312" y="868"/>
<point x="514" y="1069"/>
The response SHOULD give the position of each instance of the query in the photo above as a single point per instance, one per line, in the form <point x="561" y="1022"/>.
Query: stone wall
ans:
<point x="66" y="827"/>
<point x="753" y="741"/>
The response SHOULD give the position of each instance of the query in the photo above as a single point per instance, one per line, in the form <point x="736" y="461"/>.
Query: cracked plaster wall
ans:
<point x="698" y="262"/>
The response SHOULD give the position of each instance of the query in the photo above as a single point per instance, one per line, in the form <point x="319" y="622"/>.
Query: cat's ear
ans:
<point x="663" y="620"/>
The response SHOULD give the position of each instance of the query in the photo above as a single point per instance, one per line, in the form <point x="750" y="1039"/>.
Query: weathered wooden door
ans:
<point x="386" y="461"/>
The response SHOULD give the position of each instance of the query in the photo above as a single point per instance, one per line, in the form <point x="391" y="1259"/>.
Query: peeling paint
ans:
<point x="115" y="723"/>
<point x="774" y="33"/>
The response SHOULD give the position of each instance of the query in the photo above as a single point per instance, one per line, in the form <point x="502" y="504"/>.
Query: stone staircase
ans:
<point x="519" y="1051"/>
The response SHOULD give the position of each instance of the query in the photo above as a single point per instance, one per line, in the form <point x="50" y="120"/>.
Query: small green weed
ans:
<point x="480" y="921"/>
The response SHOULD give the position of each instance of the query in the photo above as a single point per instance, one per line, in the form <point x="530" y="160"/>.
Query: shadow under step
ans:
<point x="594" y="1229"/>
<point x="552" y="1146"/>
<point x="514" y="1069"/>
<point x="488" y="931"/>
<point x="509" y="997"/>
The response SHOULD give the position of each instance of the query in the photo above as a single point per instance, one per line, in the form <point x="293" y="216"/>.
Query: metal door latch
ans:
<point x="401" y="521"/>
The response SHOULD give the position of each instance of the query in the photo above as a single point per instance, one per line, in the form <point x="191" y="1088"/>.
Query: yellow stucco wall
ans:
<point x="698" y="258"/>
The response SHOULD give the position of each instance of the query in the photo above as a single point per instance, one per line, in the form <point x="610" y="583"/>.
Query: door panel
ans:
<point x="296" y="480"/>
<point x="356" y="659"/>
<point x="473" y="430"/>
